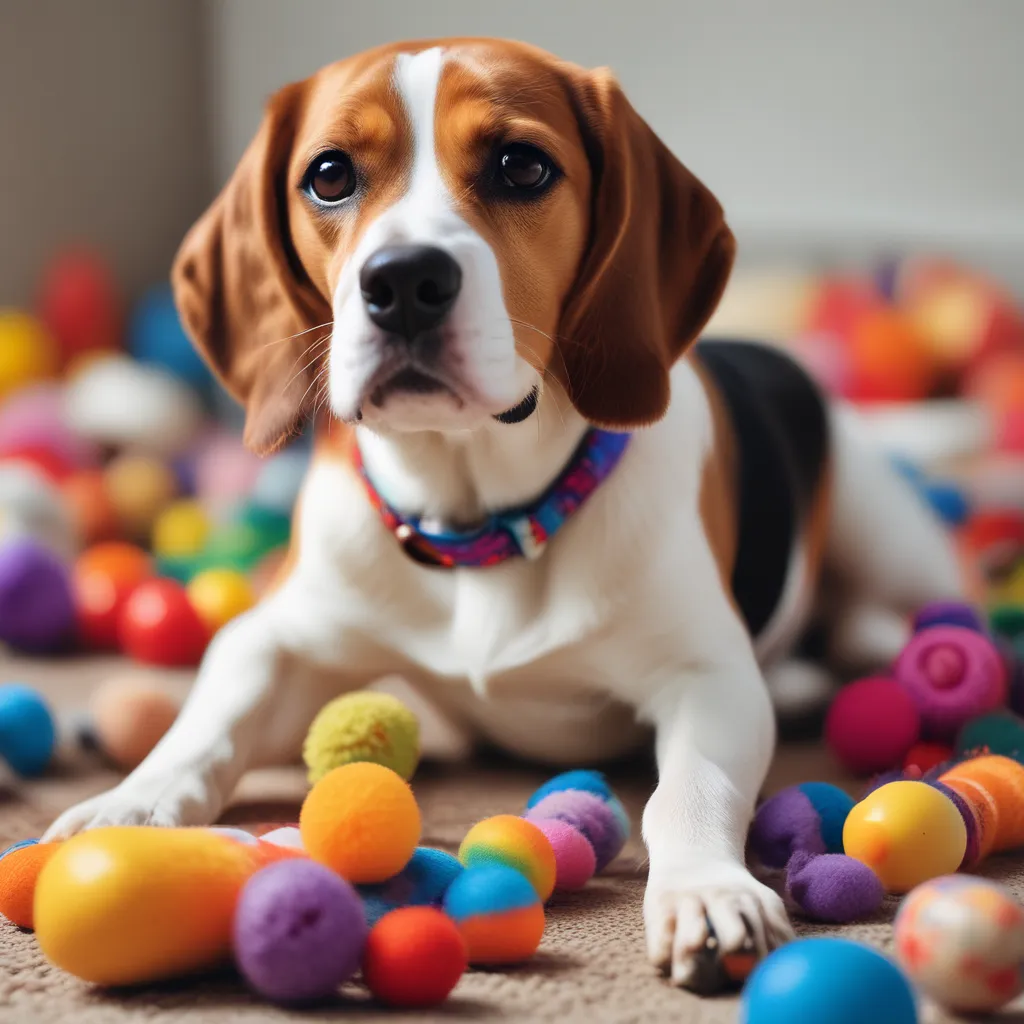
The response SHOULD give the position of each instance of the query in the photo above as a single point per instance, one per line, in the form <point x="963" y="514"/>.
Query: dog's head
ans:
<point x="476" y="218"/>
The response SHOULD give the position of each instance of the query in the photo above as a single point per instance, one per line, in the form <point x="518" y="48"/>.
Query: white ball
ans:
<point x="32" y="507"/>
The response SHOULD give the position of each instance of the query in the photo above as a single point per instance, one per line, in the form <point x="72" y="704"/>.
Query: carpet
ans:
<point x="591" y="965"/>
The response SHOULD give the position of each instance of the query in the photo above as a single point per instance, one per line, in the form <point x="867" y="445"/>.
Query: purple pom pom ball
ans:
<point x="299" y="932"/>
<point x="587" y="813"/>
<point x="37" y="612"/>
<point x="833" y="887"/>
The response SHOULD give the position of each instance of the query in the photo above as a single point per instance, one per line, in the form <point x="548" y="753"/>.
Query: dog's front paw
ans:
<point x="698" y="914"/>
<point x="185" y="799"/>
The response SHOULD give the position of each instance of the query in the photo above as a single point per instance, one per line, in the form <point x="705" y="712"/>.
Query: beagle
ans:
<point x="481" y="274"/>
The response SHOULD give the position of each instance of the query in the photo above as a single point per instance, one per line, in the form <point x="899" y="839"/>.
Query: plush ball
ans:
<point x="1000" y="732"/>
<point x="28" y="734"/>
<point x="814" y="981"/>
<point x="808" y="817"/>
<point x="298" y="932"/>
<point x="33" y="508"/>
<point x="589" y="781"/>
<point x="907" y="833"/>
<point x="1007" y="620"/>
<point x="140" y="488"/>
<point x="923" y="757"/>
<point x="37" y="611"/>
<point x="34" y="417"/>
<point x="414" y="957"/>
<point x="159" y="626"/>
<point x="515" y="842"/>
<point x="833" y="887"/>
<point x="421" y="883"/>
<point x="130" y="714"/>
<point x="498" y="914"/>
<point x="155" y="335"/>
<point x="961" y="942"/>
<point x="27" y="352"/>
<point x="364" y="726"/>
<point x="575" y="862"/>
<point x="85" y="493"/>
<point x="102" y="579"/>
<point x="954" y="674"/>
<point x="948" y="613"/>
<point x="871" y="725"/>
<point x="361" y="820"/>
<point x="181" y="529"/>
<point x="20" y="866"/>
<point x="219" y="595"/>
<point x="79" y="302"/>
<point x="588" y="814"/>
<point x="889" y="358"/>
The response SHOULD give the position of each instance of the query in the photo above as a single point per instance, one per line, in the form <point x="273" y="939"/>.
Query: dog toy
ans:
<point x="299" y="932"/>
<point x="589" y="781"/>
<point x="948" y="613"/>
<point x="181" y="530"/>
<point x="218" y="595"/>
<point x="907" y="833"/>
<point x="79" y="303"/>
<point x="415" y="956"/>
<point x="102" y="579"/>
<point x="823" y="979"/>
<point x="595" y="818"/>
<point x="871" y="725"/>
<point x="808" y="817"/>
<point x="159" y="626"/>
<point x="926" y="757"/>
<point x="364" y="726"/>
<point x="129" y="715"/>
<point x="498" y="914"/>
<point x="27" y="352"/>
<point x="989" y="793"/>
<point x="832" y="887"/>
<point x="20" y="866"/>
<point x="575" y="862"/>
<point x="422" y="882"/>
<point x="140" y="487"/>
<point x="1000" y="732"/>
<point x="28" y="734"/>
<point x="362" y="821"/>
<point x="37" y="612"/>
<point x="516" y="843"/>
<point x="961" y="941"/>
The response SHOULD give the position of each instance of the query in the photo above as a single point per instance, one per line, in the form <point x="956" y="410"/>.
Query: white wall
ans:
<point x="821" y="125"/>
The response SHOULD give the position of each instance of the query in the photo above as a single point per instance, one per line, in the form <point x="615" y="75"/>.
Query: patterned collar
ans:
<point x="514" y="532"/>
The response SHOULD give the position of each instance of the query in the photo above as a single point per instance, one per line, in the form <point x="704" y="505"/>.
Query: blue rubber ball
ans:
<point x="27" y="732"/>
<point x="155" y="336"/>
<point x="827" y="981"/>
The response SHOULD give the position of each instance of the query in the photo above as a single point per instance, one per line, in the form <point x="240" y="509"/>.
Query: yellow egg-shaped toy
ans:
<point x="123" y="906"/>
<point x="27" y="352"/>
<point x="907" y="833"/>
<point x="180" y="531"/>
<point x="218" y="595"/>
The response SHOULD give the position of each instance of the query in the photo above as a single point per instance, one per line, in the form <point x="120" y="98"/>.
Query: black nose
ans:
<point x="409" y="289"/>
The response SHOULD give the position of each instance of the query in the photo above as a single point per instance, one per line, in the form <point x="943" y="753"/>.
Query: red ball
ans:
<point x="78" y="302"/>
<point x="414" y="957"/>
<point x="926" y="756"/>
<point x="46" y="461"/>
<point x="872" y="724"/>
<point x="158" y="625"/>
<point x="103" y="578"/>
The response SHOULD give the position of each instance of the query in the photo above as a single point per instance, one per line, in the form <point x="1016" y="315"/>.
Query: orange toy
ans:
<point x="517" y="843"/>
<point x="993" y="788"/>
<point x="103" y="578"/>
<point x="19" y="871"/>
<point x="362" y="821"/>
<point x="86" y="495"/>
<point x="889" y="358"/>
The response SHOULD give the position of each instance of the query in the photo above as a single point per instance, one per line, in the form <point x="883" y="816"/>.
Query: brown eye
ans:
<point x="524" y="168"/>
<point x="331" y="177"/>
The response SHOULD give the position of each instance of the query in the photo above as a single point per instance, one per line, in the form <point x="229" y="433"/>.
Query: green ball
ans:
<point x="364" y="726"/>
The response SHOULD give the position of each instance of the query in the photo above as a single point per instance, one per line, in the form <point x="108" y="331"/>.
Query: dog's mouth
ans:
<point x="410" y="380"/>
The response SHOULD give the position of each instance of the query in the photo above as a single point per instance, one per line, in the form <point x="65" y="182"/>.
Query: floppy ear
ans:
<point x="656" y="265"/>
<point x="242" y="294"/>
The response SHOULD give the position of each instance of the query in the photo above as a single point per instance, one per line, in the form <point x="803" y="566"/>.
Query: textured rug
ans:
<point x="591" y="965"/>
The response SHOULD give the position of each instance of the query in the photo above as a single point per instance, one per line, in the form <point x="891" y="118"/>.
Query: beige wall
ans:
<point x="102" y="134"/>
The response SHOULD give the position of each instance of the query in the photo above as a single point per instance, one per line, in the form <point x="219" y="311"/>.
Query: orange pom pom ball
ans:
<point x="515" y="842"/>
<point x="414" y="957"/>
<point x="19" y="868"/>
<point x="362" y="821"/>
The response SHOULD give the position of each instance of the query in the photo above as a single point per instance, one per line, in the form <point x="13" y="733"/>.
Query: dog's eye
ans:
<point x="524" y="168"/>
<point x="331" y="177"/>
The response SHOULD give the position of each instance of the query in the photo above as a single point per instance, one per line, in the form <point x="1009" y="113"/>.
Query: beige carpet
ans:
<point x="591" y="966"/>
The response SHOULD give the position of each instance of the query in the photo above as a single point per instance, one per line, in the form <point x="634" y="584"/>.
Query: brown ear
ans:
<point x="241" y="291"/>
<point x="656" y="265"/>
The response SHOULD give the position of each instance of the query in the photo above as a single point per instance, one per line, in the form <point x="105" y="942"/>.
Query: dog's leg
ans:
<point x="715" y="735"/>
<point x="238" y="704"/>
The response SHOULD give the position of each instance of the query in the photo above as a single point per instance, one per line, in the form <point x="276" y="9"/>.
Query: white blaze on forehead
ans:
<point x="417" y="76"/>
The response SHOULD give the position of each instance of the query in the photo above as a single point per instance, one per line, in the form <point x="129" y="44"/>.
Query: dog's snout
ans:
<point x="409" y="289"/>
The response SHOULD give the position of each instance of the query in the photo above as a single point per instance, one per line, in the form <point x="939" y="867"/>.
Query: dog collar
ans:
<point x="515" y="532"/>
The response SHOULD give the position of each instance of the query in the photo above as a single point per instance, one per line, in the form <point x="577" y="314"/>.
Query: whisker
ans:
<point x="292" y="337"/>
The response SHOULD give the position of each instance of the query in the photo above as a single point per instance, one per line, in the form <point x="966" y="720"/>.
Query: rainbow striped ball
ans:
<point x="516" y="843"/>
<point x="498" y="914"/>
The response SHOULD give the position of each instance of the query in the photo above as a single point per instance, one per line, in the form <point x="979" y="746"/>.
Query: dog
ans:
<point x="481" y="275"/>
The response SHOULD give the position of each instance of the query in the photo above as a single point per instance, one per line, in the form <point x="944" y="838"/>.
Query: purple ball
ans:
<point x="299" y="931"/>
<point x="783" y="824"/>
<point x="833" y="887"/>
<point x="37" y="611"/>
<point x="948" y="613"/>
<point x="587" y="813"/>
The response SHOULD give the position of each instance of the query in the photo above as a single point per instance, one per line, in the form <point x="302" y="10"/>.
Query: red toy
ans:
<point x="158" y="625"/>
<point x="102" y="579"/>
<point x="872" y="724"/>
<point x="78" y="303"/>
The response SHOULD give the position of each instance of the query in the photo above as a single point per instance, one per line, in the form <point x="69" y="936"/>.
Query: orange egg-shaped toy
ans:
<point x="102" y="580"/>
<point x="362" y="821"/>
<point x="515" y="842"/>
<point x="125" y="905"/>
<point x="131" y="714"/>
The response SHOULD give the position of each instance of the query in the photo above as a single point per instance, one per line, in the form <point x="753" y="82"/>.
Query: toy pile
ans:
<point x="131" y="516"/>
<point x="302" y="909"/>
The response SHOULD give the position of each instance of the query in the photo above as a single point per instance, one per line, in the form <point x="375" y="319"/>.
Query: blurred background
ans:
<point x="869" y="158"/>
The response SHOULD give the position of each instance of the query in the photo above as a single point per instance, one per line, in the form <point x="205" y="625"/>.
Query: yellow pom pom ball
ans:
<point x="364" y="726"/>
<point x="515" y="842"/>
<point x="27" y="352"/>
<point x="907" y="833"/>
<point x="139" y="488"/>
<point x="219" y="595"/>
<point x="180" y="530"/>
<point x="362" y="821"/>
